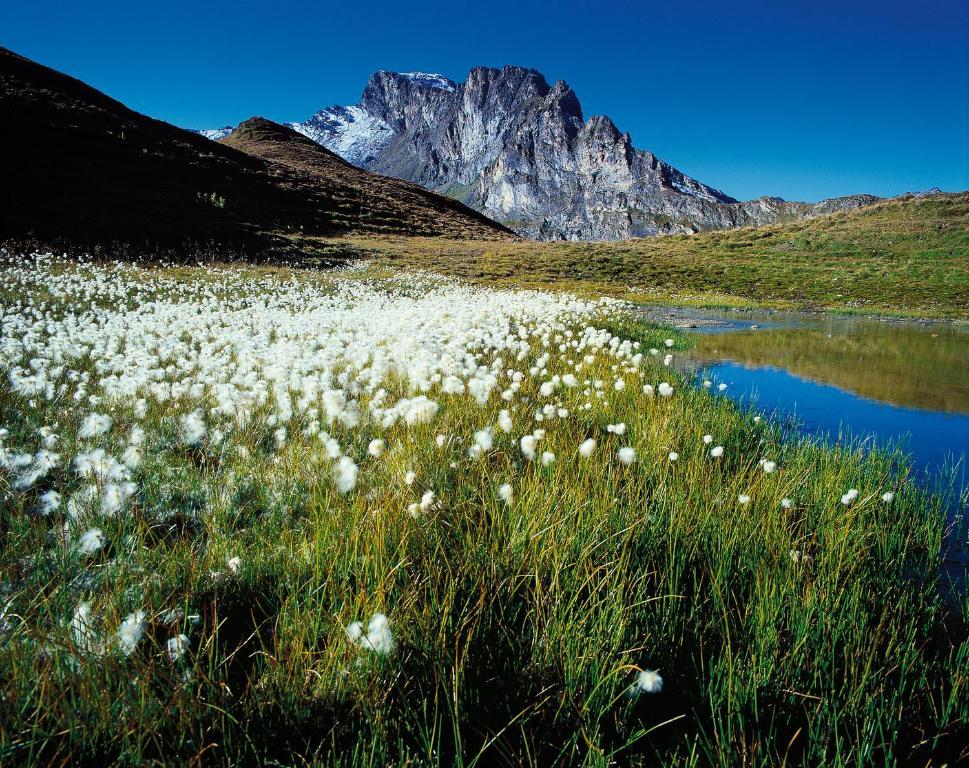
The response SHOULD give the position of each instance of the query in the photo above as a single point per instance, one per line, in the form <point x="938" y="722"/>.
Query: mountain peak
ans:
<point x="430" y="80"/>
<point x="510" y="145"/>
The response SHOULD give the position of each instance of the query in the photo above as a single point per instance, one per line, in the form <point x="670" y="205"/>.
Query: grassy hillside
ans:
<point x="906" y="257"/>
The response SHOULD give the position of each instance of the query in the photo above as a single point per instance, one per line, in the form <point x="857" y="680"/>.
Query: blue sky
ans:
<point x="799" y="99"/>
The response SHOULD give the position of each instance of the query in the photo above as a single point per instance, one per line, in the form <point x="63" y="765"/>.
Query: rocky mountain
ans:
<point x="508" y="144"/>
<point x="80" y="168"/>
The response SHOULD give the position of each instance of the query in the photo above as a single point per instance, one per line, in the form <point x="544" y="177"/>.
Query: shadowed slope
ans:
<point x="361" y="200"/>
<point x="82" y="169"/>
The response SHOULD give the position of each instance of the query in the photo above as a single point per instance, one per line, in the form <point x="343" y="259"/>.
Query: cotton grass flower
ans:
<point x="888" y="497"/>
<point x="90" y="542"/>
<point x="627" y="455"/>
<point x="548" y="458"/>
<point x="743" y="499"/>
<point x="428" y="501"/>
<point x="587" y="448"/>
<point x="647" y="681"/>
<point x="93" y="425"/>
<point x="769" y="466"/>
<point x="717" y="451"/>
<point x="345" y="474"/>
<point x="376" y="448"/>
<point x="115" y="497"/>
<point x="665" y="390"/>
<point x="722" y="387"/>
<point x="192" y="428"/>
<point x="707" y="439"/>
<point x="234" y="564"/>
<point x="49" y="502"/>
<point x="527" y="444"/>
<point x="84" y="633"/>
<point x="130" y="632"/>
<point x="484" y="440"/>
<point x="849" y="497"/>
<point x="506" y="493"/>
<point x="176" y="647"/>
<point x="378" y="638"/>
<point x="504" y="422"/>
<point x="786" y="503"/>
<point x="410" y="477"/>
<point x="674" y="456"/>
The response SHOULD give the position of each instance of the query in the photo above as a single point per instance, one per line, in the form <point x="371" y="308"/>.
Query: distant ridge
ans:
<point x="80" y="167"/>
<point x="521" y="151"/>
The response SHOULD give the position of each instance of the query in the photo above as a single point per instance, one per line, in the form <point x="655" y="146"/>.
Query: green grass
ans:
<point x="519" y="628"/>
<point x="905" y="258"/>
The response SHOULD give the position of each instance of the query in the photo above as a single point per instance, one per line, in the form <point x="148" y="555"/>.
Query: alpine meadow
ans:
<point x="452" y="427"/>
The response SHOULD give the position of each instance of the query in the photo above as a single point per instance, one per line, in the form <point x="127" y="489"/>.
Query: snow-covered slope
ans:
<point x="351" y="132"/>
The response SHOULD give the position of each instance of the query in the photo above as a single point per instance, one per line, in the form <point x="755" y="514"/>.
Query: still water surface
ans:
<point x="888" y="383"/>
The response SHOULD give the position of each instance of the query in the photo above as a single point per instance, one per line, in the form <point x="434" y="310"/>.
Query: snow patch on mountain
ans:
<point x="216" y="133"/>
<point x="431" y="80"/>
<point x="351" y="132"/>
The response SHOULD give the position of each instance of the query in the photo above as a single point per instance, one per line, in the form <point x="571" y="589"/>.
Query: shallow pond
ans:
<point x="888" y="383"/>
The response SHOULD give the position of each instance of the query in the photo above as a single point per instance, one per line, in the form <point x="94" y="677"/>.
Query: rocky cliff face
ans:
<point x="519" y="150"/>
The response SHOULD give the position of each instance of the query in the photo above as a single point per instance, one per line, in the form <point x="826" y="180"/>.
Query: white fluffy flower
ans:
<point x="674" y="456"/>
<point x="716" y="451"/>
<point x="850" y="496"/>
<point x="786" y="503"/>
<point x="131" y="631"/>
<point x="743" y="499"/>
<point x="116" y="496"/>
<point x="647" y="681"/>
<point x="627" y="455"/>
<point x="504" y="421"/>
<point x="428" y="500"/>
<point x="176" y="647"/>
<point x="769" y="466"/>
<point x="587" y="448"/>
<point x="547" y="458"/>
<point x="49" y="502"/>
<point x="83" y="632"/>
<point x="665" y="390"/>
<point x="89" y="542"/>
<point x="94" y="424"/>
<point x="888" y="497"/>
<point x="506" y="493"/>
<point x="528" y="443"/>
<point x="234" y="564"/>
<point x="345" y="474"/>
<point x="420" y="411"/>
<point x="410" y="477"/>
<point x="378" y="639"/>
<point x="192" y="428"/>
<point x="376" y="448"/>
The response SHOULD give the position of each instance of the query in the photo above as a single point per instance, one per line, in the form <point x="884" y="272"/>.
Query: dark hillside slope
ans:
<point x="360" y="199"/>
<point x="80" y="168"/>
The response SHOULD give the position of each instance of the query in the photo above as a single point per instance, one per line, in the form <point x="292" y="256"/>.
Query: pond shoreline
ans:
<point x="671" y="314"/>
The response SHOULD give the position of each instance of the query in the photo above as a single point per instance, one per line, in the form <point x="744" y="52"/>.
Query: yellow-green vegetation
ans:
<point x="900" y="257"/>
<point x="877" y="365"/>
<point x="313" y="519"/>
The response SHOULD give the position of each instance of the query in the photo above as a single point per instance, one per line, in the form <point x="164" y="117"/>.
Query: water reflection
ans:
<point x="895" y="383"/>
